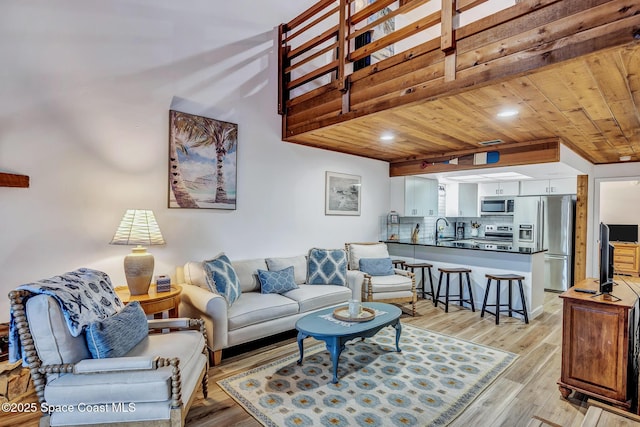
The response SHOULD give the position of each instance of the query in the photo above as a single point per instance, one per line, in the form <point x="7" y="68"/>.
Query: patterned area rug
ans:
<point x="429" y="384"/>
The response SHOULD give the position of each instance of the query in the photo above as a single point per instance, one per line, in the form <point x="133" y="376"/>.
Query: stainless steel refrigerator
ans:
<point x="547" y="222"/>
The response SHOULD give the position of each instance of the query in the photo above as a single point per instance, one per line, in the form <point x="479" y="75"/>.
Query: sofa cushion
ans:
<point x="148" y="385"/>
<point x="254" y="307"/>
<point x="327" y="267"/>
<point x="116" y="335"/>
<point x="247" y="271"/>
<point x="391" y="283"/>
<point x="357" y="251"/>
<point x="376" y="266"/>
<point x="194" y="274"/>
<point x="222" y="278"/>
<point x="299" y="264"/>
<point x="51" y="336"/>
<point x="277" y="282"/>
<point x="313" y="297"/>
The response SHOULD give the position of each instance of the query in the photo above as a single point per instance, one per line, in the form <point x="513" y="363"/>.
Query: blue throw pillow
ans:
<point x="277" y="282"/>
<point x="222" y="278"/>
<point x="327" y="267"/>
<point x="117" y="334"/>
<point x="376" y="266"/>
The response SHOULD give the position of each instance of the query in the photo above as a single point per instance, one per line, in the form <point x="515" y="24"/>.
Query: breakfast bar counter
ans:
<point x="481" y="258"/>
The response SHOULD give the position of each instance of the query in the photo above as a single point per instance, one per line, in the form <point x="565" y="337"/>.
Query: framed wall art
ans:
<point x="342" y="194"/>
<point x="202" y="162"/>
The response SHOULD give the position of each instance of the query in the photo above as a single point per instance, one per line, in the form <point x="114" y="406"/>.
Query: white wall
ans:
<point x="605" y="175"/>
<point x="84" y="98"/>
<point x="615" y="199"/>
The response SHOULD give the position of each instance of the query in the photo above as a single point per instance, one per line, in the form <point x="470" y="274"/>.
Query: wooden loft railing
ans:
<point x="319" y="88"/>
<point x="13" y="180"/>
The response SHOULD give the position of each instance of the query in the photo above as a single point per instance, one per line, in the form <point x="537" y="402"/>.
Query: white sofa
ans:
<point x="255" y="315"/>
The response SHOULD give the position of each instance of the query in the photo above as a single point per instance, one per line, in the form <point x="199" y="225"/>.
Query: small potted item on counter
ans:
<point x="474" y="229"/>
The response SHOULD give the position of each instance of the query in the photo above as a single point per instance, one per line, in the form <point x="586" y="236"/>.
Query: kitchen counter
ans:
<point x="470" y="244"/>
<point x="482" y="259"/>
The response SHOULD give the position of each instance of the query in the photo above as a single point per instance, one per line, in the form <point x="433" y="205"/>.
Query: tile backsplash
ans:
<point x="428" y="226"/>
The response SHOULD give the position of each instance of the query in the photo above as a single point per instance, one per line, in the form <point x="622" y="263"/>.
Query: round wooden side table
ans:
<point x="154" y="302"/>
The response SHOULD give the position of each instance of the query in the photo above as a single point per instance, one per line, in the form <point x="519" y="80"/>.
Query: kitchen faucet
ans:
<point x="445" y="221"/>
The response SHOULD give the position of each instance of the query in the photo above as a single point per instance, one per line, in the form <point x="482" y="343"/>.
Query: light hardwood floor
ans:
<point x="526" y="389"/>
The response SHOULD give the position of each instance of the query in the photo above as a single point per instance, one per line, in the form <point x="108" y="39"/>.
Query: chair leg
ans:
<point x="431" y="284"/>
<point x="510" y="299"/>
<point x="524" y="304"/>
<point x="498" y="302"/>
<point x="437" y="298"/>
<point x="205" y="383"/>
<point x="486" y="296"/>
<point x="461" y="289"/>
<point x="473" y="308"/>
<point x="446" y="296"/>
<point x="415" y="296"/>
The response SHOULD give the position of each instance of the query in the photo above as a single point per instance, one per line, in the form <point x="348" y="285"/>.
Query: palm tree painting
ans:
<point x="202" y="162"/>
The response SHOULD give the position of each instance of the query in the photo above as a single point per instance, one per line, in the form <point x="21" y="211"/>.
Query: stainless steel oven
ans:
<point x="497" y="206"/>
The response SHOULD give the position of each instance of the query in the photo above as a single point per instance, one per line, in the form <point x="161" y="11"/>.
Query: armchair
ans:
<point x="154" y="384"/>
<point x="391" y="285"/>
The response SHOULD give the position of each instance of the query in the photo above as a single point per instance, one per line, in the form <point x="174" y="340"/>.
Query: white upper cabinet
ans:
<point x="504" y="188"/>
<point x="549" y="186"/>
<point x="462" y="200"/>
<point x="414" y="196"/>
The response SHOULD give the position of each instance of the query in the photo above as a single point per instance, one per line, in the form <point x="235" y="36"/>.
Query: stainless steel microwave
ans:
<point x="497" y="206"/>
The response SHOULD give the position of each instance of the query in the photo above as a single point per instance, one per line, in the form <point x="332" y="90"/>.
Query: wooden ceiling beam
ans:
<point x="13" y="180"/>
<point x="524" y="153"/>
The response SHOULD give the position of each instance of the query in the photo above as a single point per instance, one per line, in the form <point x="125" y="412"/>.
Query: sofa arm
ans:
<point x="403" y="272"/>
<point x="200" y="303"/>
<point x="114" y="364"/>
<point x="355" y="279"/>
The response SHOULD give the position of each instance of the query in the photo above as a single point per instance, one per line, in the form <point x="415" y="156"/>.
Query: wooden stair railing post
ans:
<point x="448" y="39"/>
<point x="342" y="48"/>
<point x="283" y="75"/>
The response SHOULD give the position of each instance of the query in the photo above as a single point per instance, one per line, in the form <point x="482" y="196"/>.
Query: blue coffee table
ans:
<point x="336" y="335"/>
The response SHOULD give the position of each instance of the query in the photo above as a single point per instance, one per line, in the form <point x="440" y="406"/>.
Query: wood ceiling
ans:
<point x="590" y="103"/>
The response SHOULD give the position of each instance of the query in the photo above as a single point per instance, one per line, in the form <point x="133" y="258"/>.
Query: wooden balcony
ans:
<point x="571" y="68"/>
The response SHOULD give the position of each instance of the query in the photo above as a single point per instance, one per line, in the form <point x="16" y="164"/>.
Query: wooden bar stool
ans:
<point x="461" y="299"/>
<point x="422" y="265"/>
<point x="507" y="278"/>
<point x="398" y="263"/>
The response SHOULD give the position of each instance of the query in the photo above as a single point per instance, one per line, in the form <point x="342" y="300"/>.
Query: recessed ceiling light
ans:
<point x="507" y="113"/>
<point x="491" y="142"/>
<point x="625" y="158"/>
<point x="387" y="137"/>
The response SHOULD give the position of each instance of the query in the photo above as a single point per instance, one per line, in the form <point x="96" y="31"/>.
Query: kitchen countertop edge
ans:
<point x="465" y="246"/>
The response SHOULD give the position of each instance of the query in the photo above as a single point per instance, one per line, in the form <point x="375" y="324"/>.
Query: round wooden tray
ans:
<point x="342" y="313"/>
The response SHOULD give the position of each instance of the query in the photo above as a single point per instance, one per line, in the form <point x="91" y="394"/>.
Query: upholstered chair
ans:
<point x="153" y="384"/>
<point x="382" y="282"/>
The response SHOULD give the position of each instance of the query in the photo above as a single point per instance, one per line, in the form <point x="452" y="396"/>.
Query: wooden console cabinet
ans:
<point x="600" y="344"/>
<point x="626" y="258"/>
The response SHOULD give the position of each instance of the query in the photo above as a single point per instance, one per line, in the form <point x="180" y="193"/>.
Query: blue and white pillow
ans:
<point x="117" y="334"/>
<point x="277" y="282"/>
<point x="377" y="266"/>
<point x="222" y="278"/>
<point x="327" y="267"/>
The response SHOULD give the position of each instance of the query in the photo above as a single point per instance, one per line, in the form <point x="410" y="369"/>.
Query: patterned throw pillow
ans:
<point x="115" y="335"/>
<point x="327" y="267"/>
<point x="222" y="278"/>
<point x="277" y="282"/>
<point x="377" y="266"/>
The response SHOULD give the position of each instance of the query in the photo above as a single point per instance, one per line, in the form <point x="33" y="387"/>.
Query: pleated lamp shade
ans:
<point x="138" y="227"/>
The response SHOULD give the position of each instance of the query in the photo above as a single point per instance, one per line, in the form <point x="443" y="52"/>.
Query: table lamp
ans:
<point x="138" y="227"/>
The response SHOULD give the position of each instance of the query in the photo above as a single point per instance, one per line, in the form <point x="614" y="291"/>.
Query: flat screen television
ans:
<point x="606" y="261"/>
<point x="623" y="232"/>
